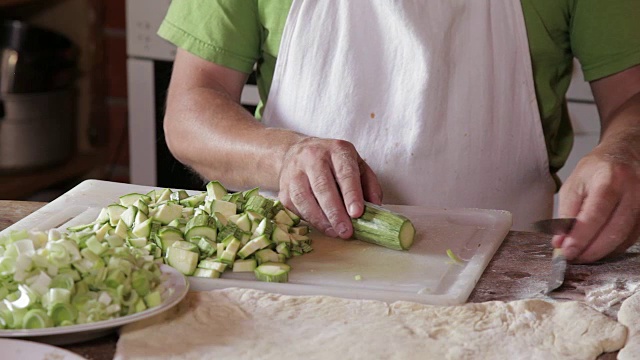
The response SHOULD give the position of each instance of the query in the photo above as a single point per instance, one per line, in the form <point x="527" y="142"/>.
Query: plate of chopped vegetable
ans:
<point x="54" y="288"/>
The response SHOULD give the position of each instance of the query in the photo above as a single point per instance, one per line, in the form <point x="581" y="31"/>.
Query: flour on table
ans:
<point x="251" y="324"/>
<point x="611" y="294"/>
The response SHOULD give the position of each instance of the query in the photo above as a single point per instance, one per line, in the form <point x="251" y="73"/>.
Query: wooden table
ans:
<point x="517" y="271"/>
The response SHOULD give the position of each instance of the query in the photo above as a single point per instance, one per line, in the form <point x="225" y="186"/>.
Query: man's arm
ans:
<point x="323" y="180"/>
<point x="603" y="192"/>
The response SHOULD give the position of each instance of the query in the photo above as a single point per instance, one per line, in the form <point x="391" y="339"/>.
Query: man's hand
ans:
<point x="326" y="182"/>
<point x="603" y="193"/>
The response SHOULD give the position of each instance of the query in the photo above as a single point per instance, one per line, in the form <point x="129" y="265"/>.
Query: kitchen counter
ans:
<point x="517" y="271"/>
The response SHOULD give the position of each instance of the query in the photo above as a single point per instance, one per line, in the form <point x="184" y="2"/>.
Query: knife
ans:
<point x="560" y="226"/>
<point x="558" y="268"/>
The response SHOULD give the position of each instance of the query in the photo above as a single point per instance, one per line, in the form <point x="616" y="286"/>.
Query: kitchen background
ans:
<point x="123" y="71"/>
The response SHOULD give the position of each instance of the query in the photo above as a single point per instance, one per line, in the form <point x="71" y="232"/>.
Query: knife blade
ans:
<point x="558" y="268"/>
<point x="560" y="226"/>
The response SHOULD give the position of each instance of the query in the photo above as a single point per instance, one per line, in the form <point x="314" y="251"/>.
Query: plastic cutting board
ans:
<point x="336" y="267"/>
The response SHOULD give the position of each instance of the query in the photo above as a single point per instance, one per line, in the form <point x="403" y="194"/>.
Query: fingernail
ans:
<point x="570" y="252"/>
<point x="332" y="233"/>
<point x="342" y="229"/>
<point x="355" y="210"/>
<point x="557" y="241"/>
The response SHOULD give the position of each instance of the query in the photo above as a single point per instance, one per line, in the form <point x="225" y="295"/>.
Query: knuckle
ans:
<point x="343" y="145"/>
<point x="299" y="197"/>
<point x="333" y="214"/>
<point x="322" y="184"/>
<point x="350" y="193"/>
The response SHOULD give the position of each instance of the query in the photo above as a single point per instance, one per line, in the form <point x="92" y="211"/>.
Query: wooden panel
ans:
<point x="114" y="14"/>
<point x="116" y="65"/>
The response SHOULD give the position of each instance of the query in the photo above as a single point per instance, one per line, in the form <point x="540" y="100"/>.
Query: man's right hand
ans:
<point x="326" y="182"/>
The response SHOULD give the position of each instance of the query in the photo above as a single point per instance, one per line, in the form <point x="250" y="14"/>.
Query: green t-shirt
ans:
<point x="602" y="34"/>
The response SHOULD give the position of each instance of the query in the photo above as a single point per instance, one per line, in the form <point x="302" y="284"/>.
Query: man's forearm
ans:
<point x="218" y="138"/>
<point x="621" y="131"/>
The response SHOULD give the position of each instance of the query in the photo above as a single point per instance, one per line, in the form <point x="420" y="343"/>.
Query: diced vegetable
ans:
<point x="273" y="272"/>
<point x="455" y="258"/>
<point x="64" y="278"/>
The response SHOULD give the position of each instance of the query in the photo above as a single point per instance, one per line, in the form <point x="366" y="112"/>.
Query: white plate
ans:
<point x="13" y="349"/>
<point x="176" y="287"/>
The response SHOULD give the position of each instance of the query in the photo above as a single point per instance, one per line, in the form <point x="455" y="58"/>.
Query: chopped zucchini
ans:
<point x="273" y="272"/>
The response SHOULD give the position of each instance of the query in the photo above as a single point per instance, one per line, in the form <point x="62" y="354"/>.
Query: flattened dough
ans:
<point x="629" y="315"/>
<point x="251" y="324"/>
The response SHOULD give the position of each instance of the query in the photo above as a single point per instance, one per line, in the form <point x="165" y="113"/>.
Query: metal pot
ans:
<point x="36" y="130"/>
<point x="34" y="60"/>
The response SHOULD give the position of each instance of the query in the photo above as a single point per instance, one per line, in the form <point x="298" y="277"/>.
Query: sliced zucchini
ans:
<point x="247" y="265"/>
<point x="273" y="272"/>
<point x="215" y="190"/>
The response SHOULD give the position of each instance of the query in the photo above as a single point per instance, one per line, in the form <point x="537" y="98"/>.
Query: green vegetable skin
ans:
<point x="382" y="227"/>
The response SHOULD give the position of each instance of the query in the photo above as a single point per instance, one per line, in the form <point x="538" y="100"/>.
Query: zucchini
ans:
<point x="163" y="195"/>
<point x="206" y="273"/>
<point x="168" y="212"/>
<point x="251" y="192"/>
<point x="279" y="235"/>
<point x="178" y="195"/>
<point x="236" y="198"/>
<point x="130" y="199"/>
<point x="273" y="272"/>
<point x="224" y="207"/>
<point x="205" y="231"/>
<point x="282" y="217"/>
<point x="115" y="211"/>
<point x="267" y="255"/>
<point x="228" y="256"/>
<point x="248" y="265"/>
<point x="212" y="264"/>
<point x="143" y="229"/>
<point x="207" y="247"/>
<point x="215" y="190"/>
<point x="383" y="227"/>
<point x="142" y="206"/>
<point x="140" y="218"/>
<point x="182" y="260"/>
<point x="294" y="217"/>
<point x="260" y="205"/>
<point x="194" y="200"/>
<point x="254" y="245"/>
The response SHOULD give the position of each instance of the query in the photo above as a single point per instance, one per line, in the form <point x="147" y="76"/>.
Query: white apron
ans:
<point x="436" y="95"/>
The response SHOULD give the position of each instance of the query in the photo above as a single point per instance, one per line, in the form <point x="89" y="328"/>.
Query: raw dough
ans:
<point x="629" y="315"/>
<point x="251" y="324"/>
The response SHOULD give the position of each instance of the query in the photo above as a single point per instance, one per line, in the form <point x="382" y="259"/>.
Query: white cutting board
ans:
<point x="423" y="274"/>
